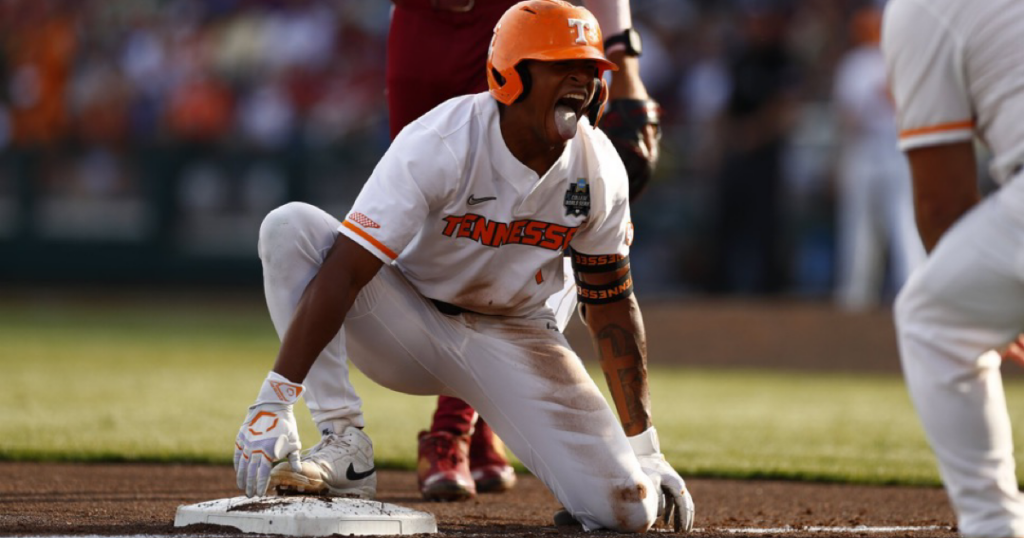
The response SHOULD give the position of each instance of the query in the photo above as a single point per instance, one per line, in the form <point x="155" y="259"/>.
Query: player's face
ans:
<point x="558" y="97"/>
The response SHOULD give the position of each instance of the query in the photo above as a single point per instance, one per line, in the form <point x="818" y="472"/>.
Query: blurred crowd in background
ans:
<point x="240" y="105"/>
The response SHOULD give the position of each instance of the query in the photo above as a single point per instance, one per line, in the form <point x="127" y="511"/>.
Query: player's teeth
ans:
<point x="571" y="99"/>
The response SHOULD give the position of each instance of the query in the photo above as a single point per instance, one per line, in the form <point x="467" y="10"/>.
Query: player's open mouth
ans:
<point x="567" y="112"/>
<point x="573" y="100"/>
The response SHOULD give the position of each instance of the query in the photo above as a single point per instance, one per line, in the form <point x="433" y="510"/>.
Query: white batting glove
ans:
<point x="268" y="434"/>
<point x="675" y="504"/>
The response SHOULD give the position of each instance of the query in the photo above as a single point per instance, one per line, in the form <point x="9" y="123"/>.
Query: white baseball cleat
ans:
<point x="340" y="465"/>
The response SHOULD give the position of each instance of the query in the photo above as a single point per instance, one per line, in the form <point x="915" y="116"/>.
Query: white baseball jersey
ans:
<point x="952" y="74"/>
<point x="469" y="224"/>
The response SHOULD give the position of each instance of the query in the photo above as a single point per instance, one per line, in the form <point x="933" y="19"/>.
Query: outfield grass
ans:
<point x="170" y="382"/>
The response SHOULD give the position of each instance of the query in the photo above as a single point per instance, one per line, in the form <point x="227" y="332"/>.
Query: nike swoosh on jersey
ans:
<point x="473" y="201"/>
<point x="351" y="473"/>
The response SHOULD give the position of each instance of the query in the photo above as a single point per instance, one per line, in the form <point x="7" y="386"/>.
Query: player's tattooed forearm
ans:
<point x="635" y="413"/>
<point x="621" y="342"/>
<point x="626" y="374"/>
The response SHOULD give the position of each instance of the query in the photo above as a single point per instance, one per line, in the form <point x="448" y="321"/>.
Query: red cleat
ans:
<point x="487" y="462"/>
<point x="442" y="467"/>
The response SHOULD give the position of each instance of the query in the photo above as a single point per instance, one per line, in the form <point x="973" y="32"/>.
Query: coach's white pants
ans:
<point x="967" y="299"/>
<point x="519" y="373"/>
<point x="876" y="216"/>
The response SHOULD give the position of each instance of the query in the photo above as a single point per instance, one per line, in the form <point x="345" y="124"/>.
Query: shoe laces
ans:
<point x="330" y="441"/>
<point x="444" y="448"/>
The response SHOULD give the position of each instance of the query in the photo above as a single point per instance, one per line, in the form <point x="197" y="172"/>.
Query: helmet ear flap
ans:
<point x="596" y="107"/>
<point x="497" y="77"/>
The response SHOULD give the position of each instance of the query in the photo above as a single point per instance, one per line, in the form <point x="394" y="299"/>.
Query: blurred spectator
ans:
<point x="5" y="127"/>
<point x="96" y="100"/>
<point x="707" y="87"/>
<point x="40" y="52"/>
<point x="266" y="116"/>
<point x="875" y="210"/>
<point x="298" y="83"/>
<point x="200" y="109"/>
<point x="753" y="130"/>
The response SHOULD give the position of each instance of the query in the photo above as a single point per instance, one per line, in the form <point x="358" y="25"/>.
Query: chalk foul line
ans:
<point x="855" y="529"/>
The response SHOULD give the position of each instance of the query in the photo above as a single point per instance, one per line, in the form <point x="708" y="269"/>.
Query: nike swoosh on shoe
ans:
<point x="351" y="473"/>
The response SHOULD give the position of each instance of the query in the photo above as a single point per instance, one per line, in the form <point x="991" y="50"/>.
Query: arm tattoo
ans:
<point x="623" y="364"/>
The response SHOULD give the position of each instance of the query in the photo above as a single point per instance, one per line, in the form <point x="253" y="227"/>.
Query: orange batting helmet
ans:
<point x="546" y="30"/>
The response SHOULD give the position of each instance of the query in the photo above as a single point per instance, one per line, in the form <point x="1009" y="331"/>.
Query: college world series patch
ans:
<point x="577" y="198"/>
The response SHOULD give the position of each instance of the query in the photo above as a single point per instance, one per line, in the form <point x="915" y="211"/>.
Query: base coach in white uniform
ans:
<point x="436" y="281"/>
<point x="957" y="71"/>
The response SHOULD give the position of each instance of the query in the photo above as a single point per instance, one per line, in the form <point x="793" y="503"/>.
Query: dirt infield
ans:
<point x="70" y="499"/>
<point x="74" y="499"/>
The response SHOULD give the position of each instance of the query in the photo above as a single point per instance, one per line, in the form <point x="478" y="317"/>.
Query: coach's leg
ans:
<point x="294" y="240"/>
<point x="967" y="299"/>
<point x="859" y="252"/>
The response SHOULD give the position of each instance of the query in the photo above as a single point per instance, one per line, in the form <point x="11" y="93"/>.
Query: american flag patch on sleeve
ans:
<point x="362" y="220"/>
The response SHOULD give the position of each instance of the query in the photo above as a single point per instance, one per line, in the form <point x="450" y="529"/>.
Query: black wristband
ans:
<point x="584" y="263"/>
<point x="629" y="39"/>
<point x="605" y="293"/>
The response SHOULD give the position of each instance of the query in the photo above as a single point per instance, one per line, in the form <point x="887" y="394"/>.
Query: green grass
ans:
<point x="170" y="382"/>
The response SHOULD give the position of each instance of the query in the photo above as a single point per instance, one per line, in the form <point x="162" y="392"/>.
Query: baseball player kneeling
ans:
<point x="436" y="281"/>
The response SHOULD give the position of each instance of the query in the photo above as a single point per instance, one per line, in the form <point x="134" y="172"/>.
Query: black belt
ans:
<point x="449" y="309"/>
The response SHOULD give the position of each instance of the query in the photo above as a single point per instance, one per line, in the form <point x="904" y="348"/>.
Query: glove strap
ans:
<point x="646" y="443"/>
<point x="277" y="389"/>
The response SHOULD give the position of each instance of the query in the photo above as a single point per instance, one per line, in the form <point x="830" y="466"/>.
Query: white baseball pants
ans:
<point x="967" y="299"/>
<point x="519" y="373"/>
<point x="876" y="216"/>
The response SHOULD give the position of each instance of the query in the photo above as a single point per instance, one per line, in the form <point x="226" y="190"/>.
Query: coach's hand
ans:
<point x="675" y="504"/>
<point x="268" y="434"/>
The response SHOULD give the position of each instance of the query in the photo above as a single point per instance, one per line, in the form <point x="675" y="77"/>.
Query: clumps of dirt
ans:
<point x="279" y="504"/>
<point x="258" y="506"/>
